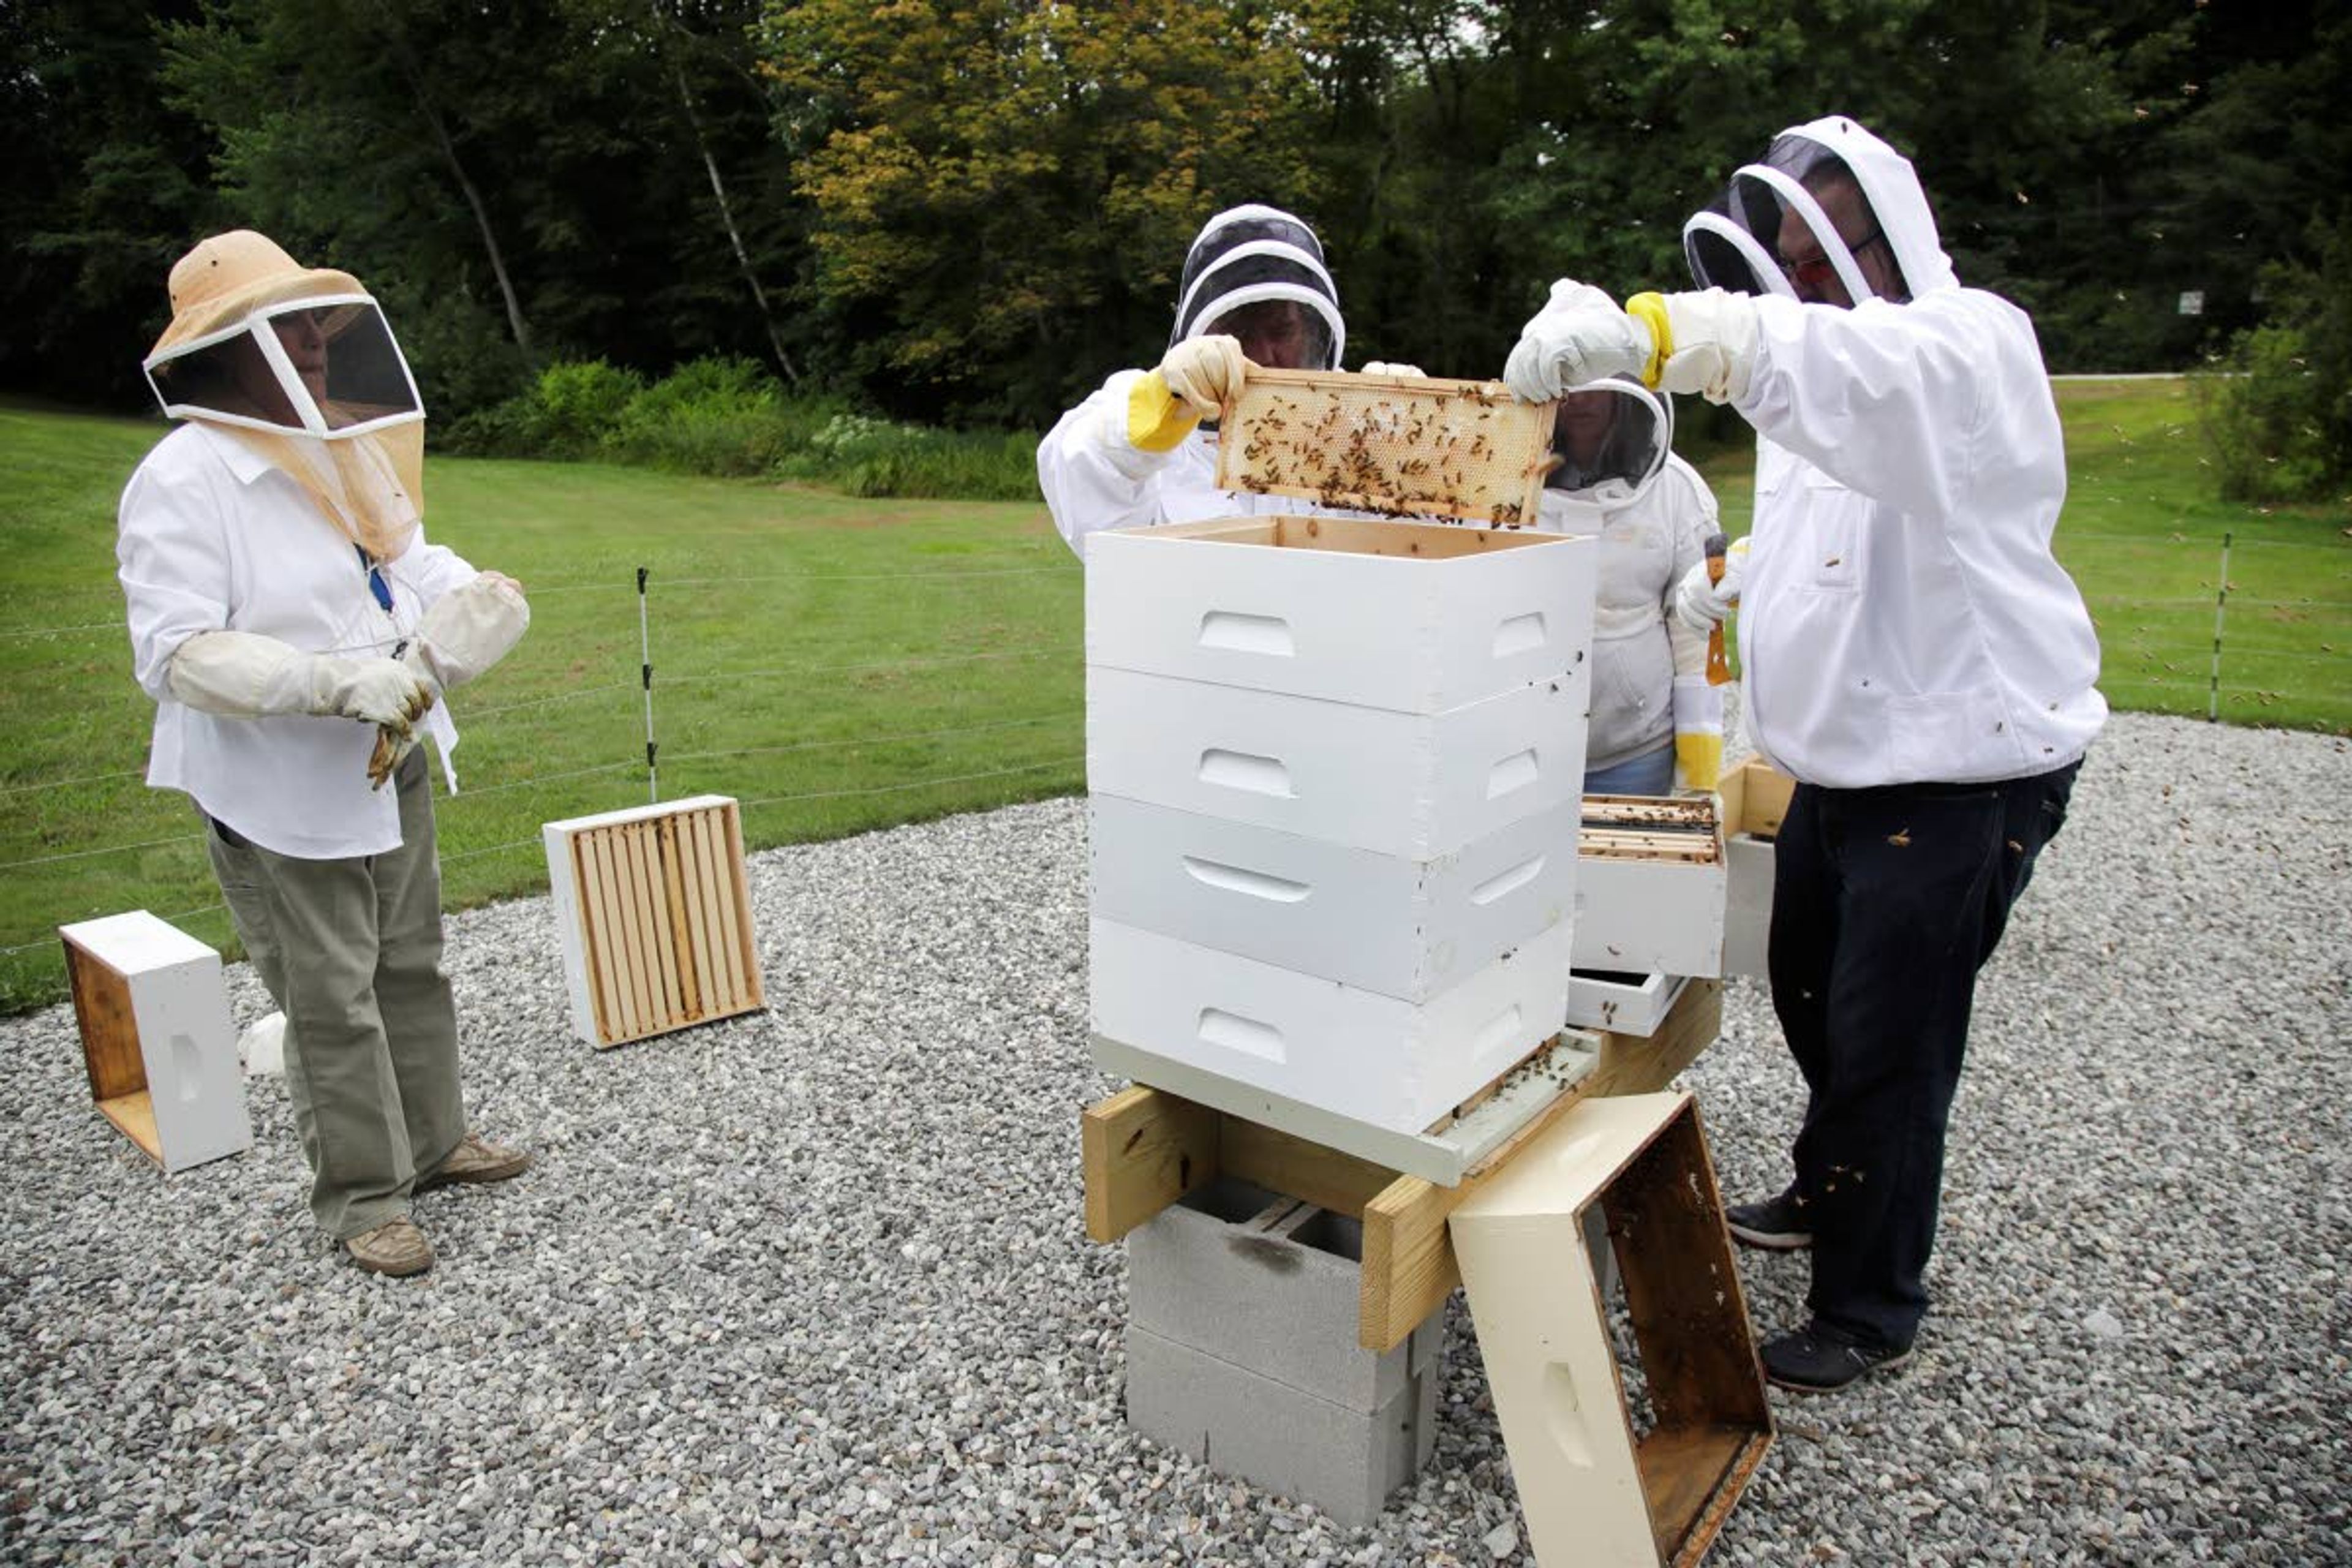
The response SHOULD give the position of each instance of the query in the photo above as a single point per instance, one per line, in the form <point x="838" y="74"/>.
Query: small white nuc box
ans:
<point x="156" y="1038"/>
<point x="654" y="914"/>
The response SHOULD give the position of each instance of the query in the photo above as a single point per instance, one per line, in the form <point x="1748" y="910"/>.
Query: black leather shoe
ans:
<point x="1821" y="1358"/>
<point x="1776" y="1224"/>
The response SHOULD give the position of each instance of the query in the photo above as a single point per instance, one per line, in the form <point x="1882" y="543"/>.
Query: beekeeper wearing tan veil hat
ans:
<point x="295" y="631"/>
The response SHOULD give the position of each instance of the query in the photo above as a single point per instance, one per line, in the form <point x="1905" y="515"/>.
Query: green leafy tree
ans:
<point x="105" y="185"/>
<point x="519" y="182"/>
<point x="1003" y="190"/>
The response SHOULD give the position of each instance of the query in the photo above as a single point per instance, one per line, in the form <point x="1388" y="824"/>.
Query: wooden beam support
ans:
<point x="1143" y="1149"/>
<point x="1284" y="1162"/>
<point x="1409" y="1264"/>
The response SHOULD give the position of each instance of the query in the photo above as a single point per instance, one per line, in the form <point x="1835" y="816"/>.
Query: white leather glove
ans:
<point x="468" y="630"/>
<point x="378" y="690"/>
<point x="1205" y="373"/>
<point x="1580" y="336"/>
<point x="243" y="675"/>
<point x="1382" y="367"/>
<point x="1710" y="344"/>
<point x="1699" y="604"/>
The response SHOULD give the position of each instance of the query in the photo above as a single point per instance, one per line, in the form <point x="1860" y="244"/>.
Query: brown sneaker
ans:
<point x="475" y="1159"/>
<point x="396" y="1248"/>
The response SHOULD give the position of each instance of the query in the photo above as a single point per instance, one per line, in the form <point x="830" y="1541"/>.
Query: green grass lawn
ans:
<point x="842" y="665"/>
<point x="2142" y="535"/>
<point x="837" y="665"/>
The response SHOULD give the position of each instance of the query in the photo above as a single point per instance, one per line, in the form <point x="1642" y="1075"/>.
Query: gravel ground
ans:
<point x="812" y="1287"/>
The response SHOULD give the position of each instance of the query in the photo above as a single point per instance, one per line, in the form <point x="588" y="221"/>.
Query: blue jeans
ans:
<point x="1652" y="773"/>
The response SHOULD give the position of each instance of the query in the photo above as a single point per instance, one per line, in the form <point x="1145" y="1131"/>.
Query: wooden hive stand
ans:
<point x="1145" y="1148"/>
<point x="1659" y="1497"/>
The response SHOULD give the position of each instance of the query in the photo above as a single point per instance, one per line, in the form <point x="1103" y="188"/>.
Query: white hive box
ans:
<point x="1691" y="903"/>
<point x="1416" y="618"/>
<point x="1362" y="1054"/>
<point x="653" y="915"/>
<point x="156" y="1038"/>
<point x="1334" y="766"/>
<point x="1400" y="927"/>
<point x="1397" y="783"/>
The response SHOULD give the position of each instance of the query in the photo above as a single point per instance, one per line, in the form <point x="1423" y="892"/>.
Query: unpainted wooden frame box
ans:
<point x="156" y="1038"/>
<point x="654" y="914"/>
<point x="1595" y="1494"/>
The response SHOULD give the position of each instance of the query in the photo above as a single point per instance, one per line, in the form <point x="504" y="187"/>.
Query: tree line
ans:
<point x="967" y="212"/>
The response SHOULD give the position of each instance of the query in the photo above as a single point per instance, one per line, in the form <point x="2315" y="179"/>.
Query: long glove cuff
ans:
<point x="1157" y="419"/>
<point x="1650" y="309"/>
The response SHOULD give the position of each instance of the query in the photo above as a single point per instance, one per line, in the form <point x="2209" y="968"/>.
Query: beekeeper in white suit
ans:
<point x="1656" y="721"/>
<point x="1137" y="451"/>
<point x="295" y="628"/>
<point x="1912" y="654"/>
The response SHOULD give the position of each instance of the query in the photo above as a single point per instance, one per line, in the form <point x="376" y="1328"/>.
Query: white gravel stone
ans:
<point x="813" y="1286"/>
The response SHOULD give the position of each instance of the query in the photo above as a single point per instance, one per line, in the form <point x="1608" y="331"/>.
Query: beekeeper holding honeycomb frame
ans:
<point x="1137" y="451"/>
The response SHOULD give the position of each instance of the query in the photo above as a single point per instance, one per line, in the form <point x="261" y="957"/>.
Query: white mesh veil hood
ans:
<point x="1253" y="253"/>
<point x="1896" y="198"/>
<point x="1735" y="242"/>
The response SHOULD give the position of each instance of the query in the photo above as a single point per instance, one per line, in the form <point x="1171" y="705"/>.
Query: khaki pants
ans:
<point x="351" y="950"/>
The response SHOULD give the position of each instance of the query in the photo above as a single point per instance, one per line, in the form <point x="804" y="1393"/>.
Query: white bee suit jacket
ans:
<point x="1903" y="619"/>
<point x="214" y="538"/>
<point x="1638" y="644"/>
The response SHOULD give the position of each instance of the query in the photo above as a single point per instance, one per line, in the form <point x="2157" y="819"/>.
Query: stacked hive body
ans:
<point x="1336" y="774"/>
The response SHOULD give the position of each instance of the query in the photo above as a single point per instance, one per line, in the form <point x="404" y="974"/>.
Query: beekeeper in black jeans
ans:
<point x="1913" y="655"/>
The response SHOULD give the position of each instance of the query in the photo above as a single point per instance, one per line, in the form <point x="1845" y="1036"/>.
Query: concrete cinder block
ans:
<point x="1269" y="1285"/>
<point x="1243" y="1352"/>
<point x="1344" y="1461"/>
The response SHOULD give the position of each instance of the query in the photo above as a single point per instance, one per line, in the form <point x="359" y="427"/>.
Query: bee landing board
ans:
<point x="654" y="914"/>
<point x="1398" y="445"/>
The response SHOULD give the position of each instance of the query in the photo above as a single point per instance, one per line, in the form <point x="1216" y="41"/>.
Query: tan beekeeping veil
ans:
<point x="298" y="363"/>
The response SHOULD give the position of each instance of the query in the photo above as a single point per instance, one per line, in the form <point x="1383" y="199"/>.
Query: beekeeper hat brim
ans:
<point x="227" y="278"/>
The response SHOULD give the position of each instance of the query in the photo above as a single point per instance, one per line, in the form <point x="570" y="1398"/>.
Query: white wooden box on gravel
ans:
<point x="1182" y="1009"/>
<point x="653" y="912"/>
<point x="156" y="1038"/>
<point x="1404" y="928"/>
<point x="1412" y="618"/>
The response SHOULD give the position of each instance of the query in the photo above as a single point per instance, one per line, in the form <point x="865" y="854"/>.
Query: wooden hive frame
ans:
<point x="1427" y="446"/>
<point x="1650" y="827"/>
<point x="653" y="909"/>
